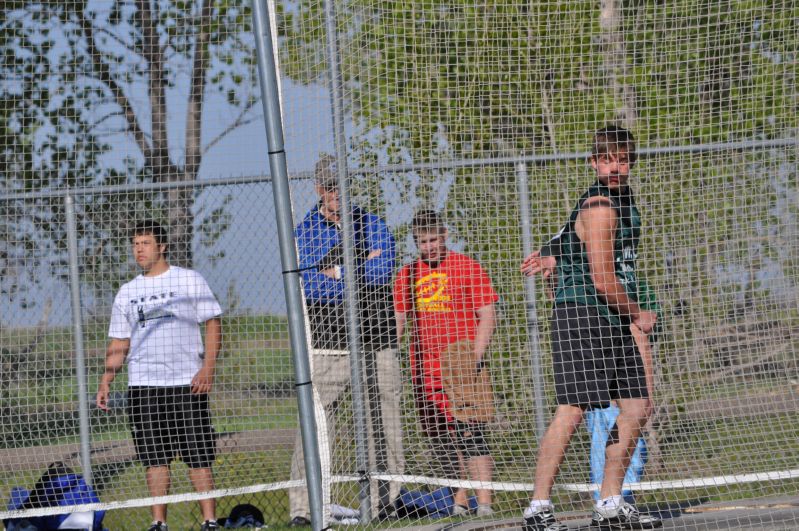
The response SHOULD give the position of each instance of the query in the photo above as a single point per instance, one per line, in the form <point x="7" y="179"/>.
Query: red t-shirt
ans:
<point x="447" y="298"/>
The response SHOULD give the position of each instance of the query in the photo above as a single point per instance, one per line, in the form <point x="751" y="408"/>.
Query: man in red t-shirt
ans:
<point x="448" y="300"/>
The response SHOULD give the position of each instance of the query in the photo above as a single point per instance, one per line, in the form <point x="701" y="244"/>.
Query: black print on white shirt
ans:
<point x="156" y="313"/>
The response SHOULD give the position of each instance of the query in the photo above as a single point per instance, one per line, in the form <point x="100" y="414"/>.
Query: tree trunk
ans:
<point x="180" y="201"/>
<point x="615" y="63"/>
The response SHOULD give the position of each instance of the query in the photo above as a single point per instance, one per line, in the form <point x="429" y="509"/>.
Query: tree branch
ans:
<point x="238" y="122"/>
<point x="194" y="113"/>
<point x="158" y="158"/>
<point x="104" y="75"/>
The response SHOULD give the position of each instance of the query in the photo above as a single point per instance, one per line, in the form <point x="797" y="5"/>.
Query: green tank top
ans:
<point x="574" y="275"/>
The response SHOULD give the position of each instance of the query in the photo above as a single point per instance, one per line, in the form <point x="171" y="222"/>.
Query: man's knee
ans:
<point x="634" y="410"/>
<point x="568" y="415"/>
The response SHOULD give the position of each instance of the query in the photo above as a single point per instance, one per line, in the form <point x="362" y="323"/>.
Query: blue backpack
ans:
<point x="59" y="486"/>
<point x="423" y="504"/>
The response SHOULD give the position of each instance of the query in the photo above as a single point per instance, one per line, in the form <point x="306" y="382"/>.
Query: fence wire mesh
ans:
<point x="481" y="112"/>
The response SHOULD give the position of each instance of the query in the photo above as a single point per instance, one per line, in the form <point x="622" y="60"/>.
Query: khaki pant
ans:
<point x="331" y="378"/>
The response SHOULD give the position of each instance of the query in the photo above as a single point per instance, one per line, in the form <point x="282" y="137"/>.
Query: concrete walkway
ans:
<point x="776" y="513"/>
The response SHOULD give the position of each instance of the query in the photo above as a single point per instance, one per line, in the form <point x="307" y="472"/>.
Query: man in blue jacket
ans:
<point x="321" y="259"/>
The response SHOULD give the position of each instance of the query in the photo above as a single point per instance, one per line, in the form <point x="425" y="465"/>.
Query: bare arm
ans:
<point x="486" y="322"/>
<point x="596" y="226"/>
<point x="401" y="318"/>
<point x="203" y="381"/>
<point x="114" y="359"/>
<point x="645" y="349"/>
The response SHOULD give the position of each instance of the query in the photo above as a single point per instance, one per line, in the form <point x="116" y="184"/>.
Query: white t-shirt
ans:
<point x="161" y="316"/>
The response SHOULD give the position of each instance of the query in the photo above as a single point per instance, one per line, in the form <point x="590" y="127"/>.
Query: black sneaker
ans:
<point x="626" y="516"/>
<point x="543" y="520"/>
<point x="158" y="526"/>
<point x="210" y="525"/>
<point x="300" y="521"/>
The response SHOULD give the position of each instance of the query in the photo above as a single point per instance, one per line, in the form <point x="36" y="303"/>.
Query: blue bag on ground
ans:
<point x="59" y="486"/>
<point x="599" y="422"/>
<point x="423" y="504"/>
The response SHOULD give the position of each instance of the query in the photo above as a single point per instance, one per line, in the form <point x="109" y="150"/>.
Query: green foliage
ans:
<point x="430" y="81"/>
<point x="74" y="75"/>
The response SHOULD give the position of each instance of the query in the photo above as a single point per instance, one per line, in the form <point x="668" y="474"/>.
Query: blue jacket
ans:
<point x="320" y="246"/>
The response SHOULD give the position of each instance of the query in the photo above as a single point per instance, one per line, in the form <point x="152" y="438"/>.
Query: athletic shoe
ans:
<point x="484" y="510"/>
<point x="158" y="526"/>
<point x="459" y="510"/>
<point x="300" y="521"/>
<point x="210" y="525"/>
<point x="625" y="516"/>
<point x="543" y="520"/>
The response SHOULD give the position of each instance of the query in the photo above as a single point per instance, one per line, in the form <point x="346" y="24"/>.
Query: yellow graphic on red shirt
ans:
<point x="431" y="293"/>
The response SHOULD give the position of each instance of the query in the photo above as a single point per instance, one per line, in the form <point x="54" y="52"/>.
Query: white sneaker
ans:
<point x="459" y="510"/>
<point x="484" y="510"/>
<point x="625" y="516"/>
<point x="543" y="520"/>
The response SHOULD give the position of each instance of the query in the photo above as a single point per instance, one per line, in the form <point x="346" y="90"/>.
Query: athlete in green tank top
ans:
<point x="574" y="275"/>
<point x="596" y="271"/>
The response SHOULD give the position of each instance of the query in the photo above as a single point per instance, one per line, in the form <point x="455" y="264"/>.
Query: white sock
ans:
<point x="536" y="506"/>
<point x="611" y="502"/>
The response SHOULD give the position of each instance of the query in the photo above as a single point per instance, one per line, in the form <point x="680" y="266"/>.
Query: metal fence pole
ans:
<point x="288" y="253"/>
<point x="529" y="292"/>
<point x="351" y="288"/>
<point x="77" y="332"/>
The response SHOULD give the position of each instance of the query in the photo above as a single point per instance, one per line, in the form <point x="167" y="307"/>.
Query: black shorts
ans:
<point x="171" y="421"/>
<point x="467" y="437"/>
<point x="471" y="440"/>
<point x="594" y="362"/>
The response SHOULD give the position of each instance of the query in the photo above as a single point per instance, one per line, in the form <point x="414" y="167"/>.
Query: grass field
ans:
<point x="254" y="394"/>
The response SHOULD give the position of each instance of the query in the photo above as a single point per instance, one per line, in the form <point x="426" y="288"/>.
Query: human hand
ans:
<point x="535" y="263"/>
<point x="102" y="396"/>
<point x="645" y="321"/>
<point x="202" y="381"/>
<point x="374" y="254"/>
<point x="335" y="272"/>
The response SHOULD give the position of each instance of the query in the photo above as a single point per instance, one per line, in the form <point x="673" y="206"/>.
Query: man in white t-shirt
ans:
<point x="155" y="324"/>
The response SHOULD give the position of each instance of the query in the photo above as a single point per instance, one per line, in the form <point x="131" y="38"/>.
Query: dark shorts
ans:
<point x="594" y="362"/>
<point x="171" y="421"/>
<point x="470" y="439"/>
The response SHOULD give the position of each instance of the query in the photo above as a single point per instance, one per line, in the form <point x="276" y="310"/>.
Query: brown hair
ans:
<point x="150" y="227"/>
<point x="612" y="139"/>
<point x="427" y="221"/>
<point x="325" y="172"/>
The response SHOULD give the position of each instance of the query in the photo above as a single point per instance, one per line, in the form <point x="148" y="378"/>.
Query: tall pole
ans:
<point x="350" y="280"/>
<point x="288" y="256"/>
<point x="529" y="295"/>
<point x="77" y="332"/>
